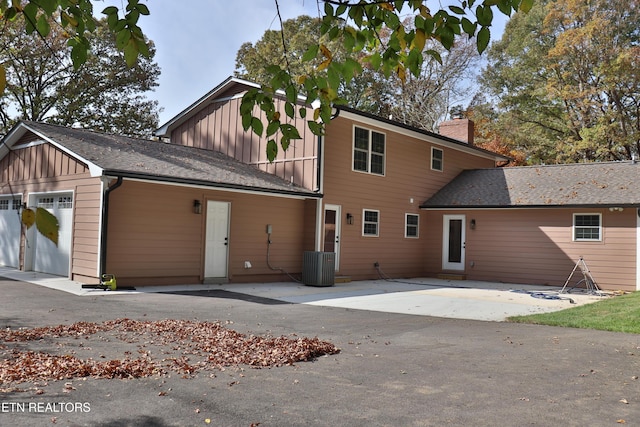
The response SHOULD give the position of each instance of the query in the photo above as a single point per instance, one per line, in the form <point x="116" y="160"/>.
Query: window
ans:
<point x="65" y="202"/>
<point x="4" y="205"/>
<point x="368" y="151"/>
<point x="45" y="202"/>
<point x="411" y="222"/>
<point x="371" y="223"/>
<point x="17" y="204"/>
<point x="436" y="159"/>
<point x="587" y="227"/>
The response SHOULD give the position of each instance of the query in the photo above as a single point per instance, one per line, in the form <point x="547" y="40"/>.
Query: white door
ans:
<point x="453" y="242"/>
<point x="332" y="226"/>
<point x="10" y="225"/>
<point x="49" y="258"/>
<point x="217" y="240"/>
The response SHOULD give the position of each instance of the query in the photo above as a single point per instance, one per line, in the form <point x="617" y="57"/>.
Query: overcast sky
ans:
<point x="197" y="41"/>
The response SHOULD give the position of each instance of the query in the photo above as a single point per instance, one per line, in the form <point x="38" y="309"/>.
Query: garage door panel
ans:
<point x="10" y="231"/>
<point x="48" y="257"/>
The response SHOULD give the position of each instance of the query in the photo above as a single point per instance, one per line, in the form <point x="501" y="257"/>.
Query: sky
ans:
<point x="197" y="41"/>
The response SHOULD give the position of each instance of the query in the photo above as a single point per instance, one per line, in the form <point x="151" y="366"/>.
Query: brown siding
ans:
<point x="44" y="168"/>
<point x="155" y="238"/>
<point x="537" y="247"/>
<point x="408" y="181"/>
<point x="218" y="127"/>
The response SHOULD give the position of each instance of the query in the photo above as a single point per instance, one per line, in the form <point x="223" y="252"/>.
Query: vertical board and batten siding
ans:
<point x="408" y="181"/>
<point x="155" y="238"/>
<point x="218" y="127"/>
<point x="43" y="168"/>
<point x="536" y="247"/>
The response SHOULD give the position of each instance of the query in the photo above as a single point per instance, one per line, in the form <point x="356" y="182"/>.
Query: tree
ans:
<point x="102" y="94"/>
<point x="566" y="81"/>
<point x="402" y="53"/>
<point x="425" y="100"/>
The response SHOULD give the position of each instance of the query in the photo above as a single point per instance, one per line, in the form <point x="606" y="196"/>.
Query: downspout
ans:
<point x="320" y="189"/>
<point x="105" y="221"/>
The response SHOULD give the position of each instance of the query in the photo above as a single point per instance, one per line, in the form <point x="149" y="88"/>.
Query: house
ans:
<point x="203" y="204"/>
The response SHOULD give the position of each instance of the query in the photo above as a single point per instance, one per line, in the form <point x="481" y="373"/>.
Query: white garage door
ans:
<point x="47" y="257"/>
<point x="10" y="231"/>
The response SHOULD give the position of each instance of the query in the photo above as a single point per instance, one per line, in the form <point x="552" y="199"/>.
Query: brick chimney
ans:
<point x="457" y="128"/>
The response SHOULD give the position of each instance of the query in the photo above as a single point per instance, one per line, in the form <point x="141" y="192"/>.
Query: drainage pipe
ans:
<point x="105" y="221"/>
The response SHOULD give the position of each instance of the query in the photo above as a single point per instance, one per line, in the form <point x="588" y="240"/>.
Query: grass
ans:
<point x="617" y="314"/>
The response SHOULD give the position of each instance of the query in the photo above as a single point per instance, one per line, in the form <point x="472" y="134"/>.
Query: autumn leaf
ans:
<point x="28" y="217"/>
<point x="47" y="225"/>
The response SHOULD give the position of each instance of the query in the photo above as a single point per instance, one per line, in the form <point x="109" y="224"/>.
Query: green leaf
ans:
<point x="457" y="10"/>
<point x="47" y="225"/>
<point x="289" y="131"/>
<point x="315" y="127"/>
<point x="43" y="26"/>
<point x="272" y="150"/>
<point x="469" y="27"/>
<point x="484" y="15"/>
<point x="311" y="53"/>
<point x="143" y="9"/>
<point x="273" y="127"/>
<point x="483" y="39"/>
<point x="289" y="110"/>
<point x="257" y="126"/>
<point x="526" y="5"/>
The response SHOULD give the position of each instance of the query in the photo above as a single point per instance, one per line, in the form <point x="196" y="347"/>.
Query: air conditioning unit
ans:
<point x="319" y="268"/>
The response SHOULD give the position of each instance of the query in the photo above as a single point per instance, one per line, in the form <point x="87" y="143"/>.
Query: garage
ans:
<point x="46" y="256"/>
<point x="10" y="231"/>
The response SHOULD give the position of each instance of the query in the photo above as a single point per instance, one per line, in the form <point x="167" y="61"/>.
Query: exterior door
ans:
<point x="10" y="226"/>
<point x="453" y="242"/>
<point x="216" y="252"/>
<point x="332" y="226"/>
<point x="49" y="258"/>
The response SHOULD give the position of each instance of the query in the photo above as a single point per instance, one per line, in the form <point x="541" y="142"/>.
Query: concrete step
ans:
<point x="342" y="279"/>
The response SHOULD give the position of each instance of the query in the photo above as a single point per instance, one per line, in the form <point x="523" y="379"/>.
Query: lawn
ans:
<point x="618" y="314"/>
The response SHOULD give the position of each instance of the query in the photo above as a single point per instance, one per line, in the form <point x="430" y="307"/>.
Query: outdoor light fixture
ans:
<point x="349" y="219"/>
<point x="197" y="207"/>
<point x="473" y="224"/>
<point x="616" y="209"/>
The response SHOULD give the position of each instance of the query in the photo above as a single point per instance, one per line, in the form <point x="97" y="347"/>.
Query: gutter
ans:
<point x="105" y="221"/>
<point x="210" y="184"/>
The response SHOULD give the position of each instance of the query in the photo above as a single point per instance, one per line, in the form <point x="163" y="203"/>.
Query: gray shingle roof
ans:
<point x="581" y="184"/>
<point x="141" y="158"/>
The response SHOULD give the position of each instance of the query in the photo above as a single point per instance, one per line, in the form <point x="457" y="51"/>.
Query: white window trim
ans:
<point x="573" y="228"/>
<point x="406" y="224"/>
<point x="369" y="222"/>
<point x="441" y="159"/>
<point x="353" y="150"/>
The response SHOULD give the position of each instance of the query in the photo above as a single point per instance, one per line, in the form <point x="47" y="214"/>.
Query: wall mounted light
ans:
<point x="473" y="224"/>
<point x="616" y="209"/>
<point x="349" y="219"/>
<point x="197" y="207"/>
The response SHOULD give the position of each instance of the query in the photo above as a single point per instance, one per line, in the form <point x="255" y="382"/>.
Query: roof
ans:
<point x="579" y="185"/>
<point x="232" y="86"/>
<point x="413" y="131"/>
<point x="135" y="158"/>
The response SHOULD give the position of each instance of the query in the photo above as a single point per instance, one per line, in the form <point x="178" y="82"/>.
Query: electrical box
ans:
<point x="269" y="229"/>
<point x="319" y="268"/>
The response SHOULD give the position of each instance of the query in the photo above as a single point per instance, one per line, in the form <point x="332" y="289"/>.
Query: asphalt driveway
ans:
<point x="393" y="369"/>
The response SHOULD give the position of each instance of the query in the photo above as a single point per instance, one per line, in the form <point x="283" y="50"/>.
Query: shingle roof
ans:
<point x="580" y="184"/>
<point x="142" y="158"/>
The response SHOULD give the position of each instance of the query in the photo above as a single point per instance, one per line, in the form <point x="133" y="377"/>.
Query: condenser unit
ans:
<point x="319" y="268"/>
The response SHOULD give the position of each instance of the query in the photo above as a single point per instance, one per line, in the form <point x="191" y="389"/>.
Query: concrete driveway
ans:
<point x="472" y="300"/>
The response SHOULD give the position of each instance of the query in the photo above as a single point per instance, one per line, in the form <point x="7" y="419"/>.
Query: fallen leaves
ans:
<point x="189" y="347"/>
